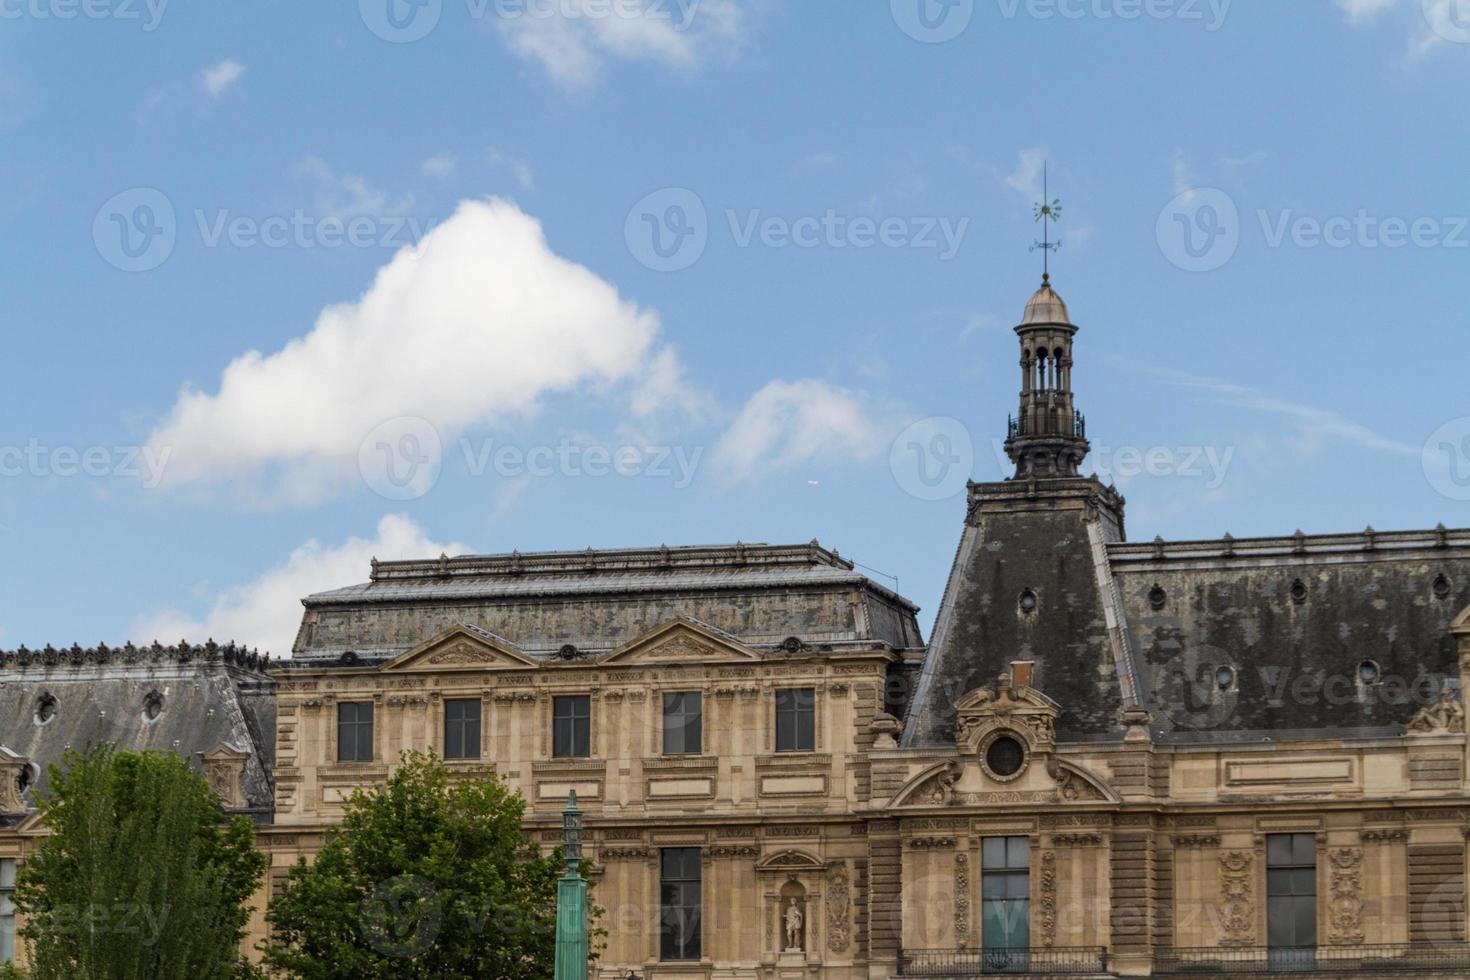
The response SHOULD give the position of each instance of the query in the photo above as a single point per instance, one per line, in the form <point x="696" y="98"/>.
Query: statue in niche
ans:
<point x="794" y="922"/>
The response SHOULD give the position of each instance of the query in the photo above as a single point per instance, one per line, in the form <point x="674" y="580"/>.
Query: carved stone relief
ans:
<point x="1047" y="901"/>
<point x="839" y="913"/>
<point x="1237" y="908"/>
<point x="962" y="900"/>
<point x="1345" y="918"/>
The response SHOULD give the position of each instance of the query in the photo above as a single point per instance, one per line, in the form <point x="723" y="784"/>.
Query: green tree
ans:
<point x="429" y="875"/>
<point x="140" y="875"/>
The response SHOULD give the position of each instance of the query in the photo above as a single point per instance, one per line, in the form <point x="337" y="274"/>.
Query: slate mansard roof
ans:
<point x="1291" y="621"/>
<point x="211" y="695"/>
<point x="596" y="601"/>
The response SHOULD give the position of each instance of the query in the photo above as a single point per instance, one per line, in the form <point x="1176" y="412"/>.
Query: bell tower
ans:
<point x="1048" y="438"/>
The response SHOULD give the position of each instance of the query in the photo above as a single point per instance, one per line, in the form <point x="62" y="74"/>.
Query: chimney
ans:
<point x="1021" y="671"/>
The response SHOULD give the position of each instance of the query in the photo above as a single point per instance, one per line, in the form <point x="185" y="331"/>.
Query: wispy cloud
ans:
<point x="1436" y="21"/>
<point x="789" y="423"/>
<point x="518" y="168"/>
<point x="346" y="195"/>
<point x="219" y="79"/>
<point x="1026" y="178"/>
<point x="1313" y="426"/>
<point x="441" y="166"/>
<point x="575" y="39"/>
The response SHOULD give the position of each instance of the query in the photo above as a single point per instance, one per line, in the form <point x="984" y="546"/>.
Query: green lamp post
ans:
<point x="571" y="902"/>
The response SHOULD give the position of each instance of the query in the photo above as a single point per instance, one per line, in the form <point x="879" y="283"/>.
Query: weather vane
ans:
<point x="1047" y="212"/>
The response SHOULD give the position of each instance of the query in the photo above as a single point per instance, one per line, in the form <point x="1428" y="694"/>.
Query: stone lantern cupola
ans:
<point x="1048" y="439"/>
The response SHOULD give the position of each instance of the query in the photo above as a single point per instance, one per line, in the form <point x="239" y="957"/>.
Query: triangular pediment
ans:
<point x="462" y="648"/>
<point x="223" y="751"/>
<point x="1461" y="625"/>
<point x="682" y="641"/>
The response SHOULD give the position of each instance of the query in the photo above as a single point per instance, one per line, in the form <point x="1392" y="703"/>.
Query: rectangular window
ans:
<point x="796" y="720"/>
<point x="355" y="731"/>
<point x="1005" y="903"/>
<point x="683" y="724"/>
<point x="1291" y="900"/>
<point x="462" y="729"/>
<point x="680" y="897"/>
<point x="571" y="727"/>
<point x="7" y="909"/>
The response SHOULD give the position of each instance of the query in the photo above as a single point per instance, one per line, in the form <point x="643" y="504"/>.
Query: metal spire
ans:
<point x="1047" y="212"/>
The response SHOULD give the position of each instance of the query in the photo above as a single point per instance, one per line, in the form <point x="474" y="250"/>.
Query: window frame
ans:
<point x="675" y="944"/>
<point x="464" y="748"/>
<point x="683" y="720"/>
<point x="799" y="712"/>
<point x="559" y="748"/>
<point x="9" y="867"/>
<point x="357" y="725"/>
<point x="1291" y="884"/>
<point x="1005" y="885"/>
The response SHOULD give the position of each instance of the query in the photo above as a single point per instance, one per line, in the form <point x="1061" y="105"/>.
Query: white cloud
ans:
<point x="1437" y="21"/>
<point x="519" y="169"/>
<point x="1026" y="178"/>
<point x="441" y="166"/>
<point x="475" y="326"/>
<point x="265" y="613"/>
<point x="787" y="423"/>
<point x="221" y="77"/>
<point x="573" y="39"/>
<point x="1361" y="10"/>
<point x="344" y="195"/>
<point x="1185" y="181"/>
<point x="1313" y="425"/>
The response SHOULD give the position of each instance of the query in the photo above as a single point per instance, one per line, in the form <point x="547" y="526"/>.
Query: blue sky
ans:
<point x="674" y="272"/>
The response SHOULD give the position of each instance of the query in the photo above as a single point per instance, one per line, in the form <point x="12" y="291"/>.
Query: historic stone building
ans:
<point x="1168" y="758"/>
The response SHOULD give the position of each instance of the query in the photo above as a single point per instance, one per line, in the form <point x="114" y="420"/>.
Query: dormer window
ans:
<point x="45" y="708"/>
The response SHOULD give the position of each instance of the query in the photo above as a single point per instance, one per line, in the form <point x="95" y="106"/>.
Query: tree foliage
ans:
<point x="139" y="877"/>
<point x="428" y="875"/>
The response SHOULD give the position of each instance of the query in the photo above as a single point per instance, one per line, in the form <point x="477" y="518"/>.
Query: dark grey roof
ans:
<point x="598" y="600"/>
<point x="212" y="695"/>
<point x="1290" y="619"/>
<point x="1294" y="618"/>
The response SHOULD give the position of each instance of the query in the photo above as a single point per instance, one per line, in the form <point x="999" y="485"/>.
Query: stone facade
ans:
<point x="1137" y="743"/>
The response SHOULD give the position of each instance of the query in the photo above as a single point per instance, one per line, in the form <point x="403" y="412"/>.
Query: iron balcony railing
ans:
<point x="1047" y="425"/>
<point x="1374" y="960"/>
<point x="1055" y="961"/>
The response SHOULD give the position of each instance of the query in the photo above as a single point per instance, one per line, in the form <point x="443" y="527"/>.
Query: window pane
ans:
<point x="682" y="723"/>
<point x="1278" y="850"/>
<point x="355" y="732"/>
<point x="1304" y="849"/>
<point x="993" y="850"/>
<point x="572" y="727"/>
<point x="679" y="917"/>
<point x="1018" y="852"/>
<point x="796" y="726"/>
<point x="462" y="729"/>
